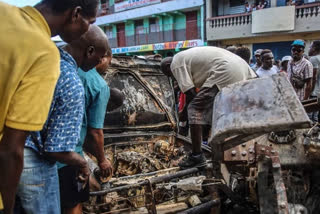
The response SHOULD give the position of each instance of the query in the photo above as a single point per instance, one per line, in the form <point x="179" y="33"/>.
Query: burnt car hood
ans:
<point x="149" y="102"/>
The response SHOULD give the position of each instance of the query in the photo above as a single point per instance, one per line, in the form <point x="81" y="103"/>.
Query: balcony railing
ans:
<point x="305" y="17"/>
<point x="308" y="10"/>
<point x="302" y="11"/>
<point x="230" y="20"/>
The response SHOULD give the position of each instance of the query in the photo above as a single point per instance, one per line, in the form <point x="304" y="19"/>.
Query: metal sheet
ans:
<point x="257" y="106"/>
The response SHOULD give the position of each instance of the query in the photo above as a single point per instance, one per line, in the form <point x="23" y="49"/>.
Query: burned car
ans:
<point x="142" y="144"/>
<point x="261" y="158"/>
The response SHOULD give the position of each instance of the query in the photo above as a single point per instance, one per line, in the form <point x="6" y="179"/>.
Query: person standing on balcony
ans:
<point x="300" y="71"/>
<point x="290" y="3"/>
<point x="253" y="7"/>
<point x="209" y="69"/>
<point x="267" y="69"/>
<point x="265" y="4"/>
<point x="248" y="8"/>
<point x="29" y="72"/>
<point x="258" y="60"/>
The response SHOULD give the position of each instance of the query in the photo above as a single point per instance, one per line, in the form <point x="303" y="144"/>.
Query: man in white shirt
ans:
<point x="208" y="69"/>
<point x="267" y="69"/>
<point x="314" y="53"/>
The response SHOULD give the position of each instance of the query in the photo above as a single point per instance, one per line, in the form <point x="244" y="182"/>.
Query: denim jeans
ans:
<point x="38" y="188"/>
<point x="313" y="116"/>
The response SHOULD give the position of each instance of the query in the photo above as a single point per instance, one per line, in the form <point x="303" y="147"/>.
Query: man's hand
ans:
<point x="95" y="145"/>
<point x="72" y="159"/>
<point x="84" y="173"/>
<point x="106" y="168"/>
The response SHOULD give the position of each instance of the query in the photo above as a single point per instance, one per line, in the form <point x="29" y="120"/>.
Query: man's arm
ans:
<point x="28" y="110"/>
<point x="95" y="115"/>
<point x="72" y="159"/>
<point x="11" y="164"/>
<point x="314" y="78"/>
<point x="308" y="75"/>
<point x="95" y="145"/>
<point x="308" y="89"/>
<point x="314" y="62"/>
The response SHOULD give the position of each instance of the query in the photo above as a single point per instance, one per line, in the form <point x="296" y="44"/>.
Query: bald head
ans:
<point x="95" y="37"/>
<point x="90" y="48"/>
<point x="165" y="66"/>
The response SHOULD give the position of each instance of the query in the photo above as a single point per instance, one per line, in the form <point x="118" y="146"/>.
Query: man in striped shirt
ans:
<point x="300" y="71"/>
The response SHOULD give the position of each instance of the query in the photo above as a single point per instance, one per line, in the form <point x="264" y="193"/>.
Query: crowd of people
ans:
<point x="54" y="100"/>
<point x="253" y="7"/>
<point x="302" y="69"/>
<point x="266" y="4"/>
<point x="200" y="77"/>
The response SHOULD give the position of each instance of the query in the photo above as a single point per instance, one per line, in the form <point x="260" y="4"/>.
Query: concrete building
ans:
<point x="274" y="27"/>
<point x="140" y="27"/>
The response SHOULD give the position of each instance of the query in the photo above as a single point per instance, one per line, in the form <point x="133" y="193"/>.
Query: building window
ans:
<point x="138" y="24"/>
<point x="235" y="3"/>
<point x="108" y="31"/>
<point x="154" y="25"/>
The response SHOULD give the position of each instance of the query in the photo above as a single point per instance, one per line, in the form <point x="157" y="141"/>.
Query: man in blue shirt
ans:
<point x="39" y="185"/>
<point x="97" y="94"/>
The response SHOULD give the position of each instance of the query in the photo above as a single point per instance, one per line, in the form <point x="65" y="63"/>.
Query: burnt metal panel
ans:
<point x="149" y="100"/>
<point x="257" y="106"/>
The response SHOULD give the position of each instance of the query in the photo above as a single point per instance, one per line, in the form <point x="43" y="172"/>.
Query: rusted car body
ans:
<point x="259" y="149"/>
<point x="141" y="142"/>
<point x="264" y="148"/>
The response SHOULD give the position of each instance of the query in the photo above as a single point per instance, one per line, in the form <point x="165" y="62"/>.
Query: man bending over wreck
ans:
<point x="38" y="189"/>
<point x="210" y="69"/>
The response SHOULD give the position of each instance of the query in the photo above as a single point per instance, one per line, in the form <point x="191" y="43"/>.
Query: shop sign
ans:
<point x="159" y="46"/>
<point x="130" y="4"/>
